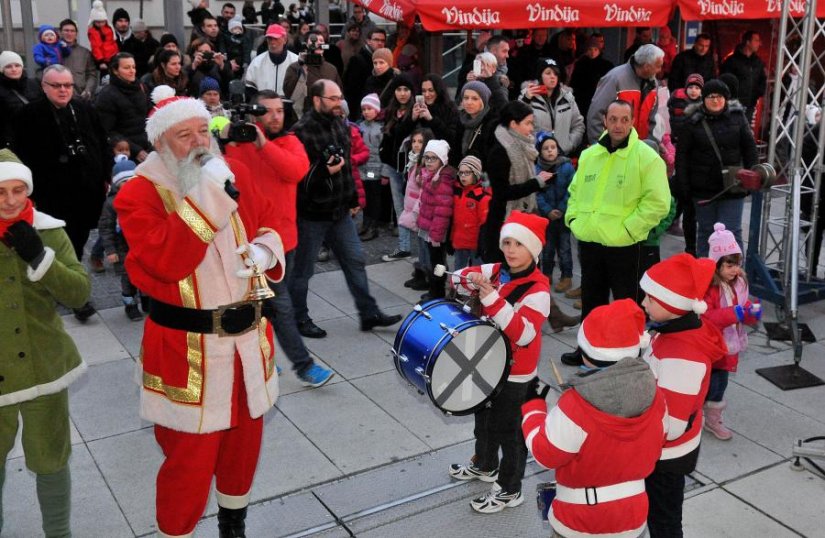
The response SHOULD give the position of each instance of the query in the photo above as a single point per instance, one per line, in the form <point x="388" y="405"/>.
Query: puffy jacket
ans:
<point x="698" y="171"/>
<point x="685" y="64"/>
<point x="412" y="201"/>
<point x="436" y="208"/>
<point x="122" y="107"/>
<point x="750" y="72"/>
<point x="102" y="42"/>
<point x="108" y="226"/>
<point x="10" y="102"/>
<point x="470" y="207"/>
<point x="562" y="118"/>
<point x="556" y="194"/>
<point x="586" y="75"/>
<point x="721" y="314"/>
<point x="622" y="82"/>
<point x="617" y="197"/>
<point x="373" y="133"/>
<point x="680" y="107"/>
<point x="359" y="155"/>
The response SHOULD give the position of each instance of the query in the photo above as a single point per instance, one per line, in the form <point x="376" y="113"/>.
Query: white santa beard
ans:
<point x="188" y="169"/>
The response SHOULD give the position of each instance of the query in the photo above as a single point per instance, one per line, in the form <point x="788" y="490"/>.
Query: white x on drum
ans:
<point x="468" y="367"/>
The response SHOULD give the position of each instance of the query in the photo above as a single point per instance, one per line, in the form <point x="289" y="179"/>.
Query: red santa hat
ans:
<point x="527" y="229"/>
<point x="169" y="110"/>
<point x="614" y="331"/>
<point x="679" y="283"/>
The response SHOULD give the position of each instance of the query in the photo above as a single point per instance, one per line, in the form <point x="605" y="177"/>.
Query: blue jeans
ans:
<point x="342" y="238"/>
<point x="718" y="385"/>
<point x="465" y="257"/>
<point x="283" y="324"/>
<point x="727" y="211"/>
<point x="558" y="241"/>
<point x="424" y="262"/>
<point x="397" y="189"/>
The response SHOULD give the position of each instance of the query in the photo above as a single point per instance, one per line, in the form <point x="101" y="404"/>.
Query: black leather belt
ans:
<point x="229" y="320"/>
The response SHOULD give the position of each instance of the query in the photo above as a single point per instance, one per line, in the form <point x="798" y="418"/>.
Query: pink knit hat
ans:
<point x="722" y="243"/>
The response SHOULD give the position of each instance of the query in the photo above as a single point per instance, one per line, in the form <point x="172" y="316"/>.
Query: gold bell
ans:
<point x="259" y="290"/>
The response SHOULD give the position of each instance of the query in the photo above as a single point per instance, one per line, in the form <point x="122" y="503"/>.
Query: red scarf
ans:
<point x="27" y="214"/>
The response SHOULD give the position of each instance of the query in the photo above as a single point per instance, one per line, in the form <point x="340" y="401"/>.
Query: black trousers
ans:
<point x="78" y="235"/>
<point x="499" y="425"/>
<point x="373" y="212"/>
<point x="438" y="255"/>
<point x="666" y="494"/>
<point x="607" y="270"/>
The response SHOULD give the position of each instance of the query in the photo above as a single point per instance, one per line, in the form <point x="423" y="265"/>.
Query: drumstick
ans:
<point x="440" y="270"/>
<point x="556" y="372"/>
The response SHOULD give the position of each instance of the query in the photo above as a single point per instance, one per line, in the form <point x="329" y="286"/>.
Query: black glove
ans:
<point x="25" y="241"/>
<point x="536" y="390"/>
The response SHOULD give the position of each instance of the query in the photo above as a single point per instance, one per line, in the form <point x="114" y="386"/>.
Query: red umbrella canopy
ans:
<point x="695" y="10"/>
<point x="394" y="10"/>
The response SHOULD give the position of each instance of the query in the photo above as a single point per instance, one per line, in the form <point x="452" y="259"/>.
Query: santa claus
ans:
<point x="196" y="227"/>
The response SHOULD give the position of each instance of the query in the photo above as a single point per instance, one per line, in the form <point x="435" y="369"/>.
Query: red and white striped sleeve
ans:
<point x="680" y="380"/>
<point x="464" y="286"/>
<point x="553" y="438"/>
<point x="522" y="322"/>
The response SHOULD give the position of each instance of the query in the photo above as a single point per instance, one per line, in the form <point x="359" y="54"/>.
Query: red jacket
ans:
<point x="278" y="167"/>
<point x="642" y="108"/>
<point x="724" y="318"/>
<point x="102" y="42"/>
<point x="436" y="207"/>
<point x="592" y="449"/>
<point x="359" y="155"/>
<point x="521" y="322"/>
<point x="470" y="207"/>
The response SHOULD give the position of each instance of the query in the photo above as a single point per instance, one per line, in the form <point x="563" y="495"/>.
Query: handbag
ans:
<point x="729" y="181"/>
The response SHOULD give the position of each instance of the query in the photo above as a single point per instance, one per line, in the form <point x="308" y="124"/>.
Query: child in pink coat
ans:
<point x="409" y="216"/>
<point x="729" y="309"/>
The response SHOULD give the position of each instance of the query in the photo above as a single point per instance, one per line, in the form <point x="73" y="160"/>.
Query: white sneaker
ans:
<point x="496" y="500"/>
<point x="471" y="472"/>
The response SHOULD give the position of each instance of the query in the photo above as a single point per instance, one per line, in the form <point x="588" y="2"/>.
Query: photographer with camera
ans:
<point x="61" y="139"/>
<point x="327" y="201"/>
<point x="309" y="68"/>
<point x="206" y="62"/>
<point x="279" y="162"/>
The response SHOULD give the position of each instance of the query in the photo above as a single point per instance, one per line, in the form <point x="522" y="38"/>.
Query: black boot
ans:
<point x="573" y="358"/>
<point x="437" y="287"/>
<point x="232" y="523"/>
<point x="418" y="280"/>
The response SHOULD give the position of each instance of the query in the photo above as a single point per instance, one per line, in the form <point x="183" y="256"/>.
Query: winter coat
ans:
<point x="617" y="197"/>
<point x="480" y="141"/>
<point x="295" y="72"/>
<point x="240" y="47"/>
<point x="10" y="102"/>
<point x="379" y="85"/>
<point x="412" y="201"/>
<point x="38" y="357"/>
<point x="392" y="150"/>
<point x="436" y="209"/>
<point x="82" y="65"/>
<point x="356" y="73"/>
<point x="108" y="227"/>
<point x="265" y="75"/>
<point x="721" y="314"/>
<point x="470" y="207"/>
<point x="681" y="107"/>
<point x="359" y="155"/>
<point x="46" y="54"/>
<point x="556" y="194"/>
<point x="154" y="79"/>
<point x="608" y="429"/>
<point x="196" y="76"/>
<point x="698" y="170"/>
<point x="444" y="125"/>
<point x="141" y="50"/>
<point x="586" y="76"/>
<point x="372" y="133"/>
<point x="499" y="97"/>
<point x="123" y="108"/>
<point x="102" y="42"/>
<point x="70" y="188"/>
<point x="622" y="82"/>
<point x="685" y="64"/>
<point x="751" y="74"/>
<point x="561" y="117"/>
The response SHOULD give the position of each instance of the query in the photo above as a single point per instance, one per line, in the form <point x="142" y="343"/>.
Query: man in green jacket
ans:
<point x="618" y="195"/>
<point x="38" y="360"/>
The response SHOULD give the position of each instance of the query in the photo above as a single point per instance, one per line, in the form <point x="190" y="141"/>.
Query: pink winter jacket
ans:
<point x="721" y="314"/>
<point x="409" y="217"/>
<point x="437" y="205"/>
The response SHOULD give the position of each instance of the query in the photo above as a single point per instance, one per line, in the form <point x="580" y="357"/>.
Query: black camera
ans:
<point x="239" y="129"/>
<point x="207" y="55"/>
<point x="78" y="149"/>
<point x="335" y="153"/>
<point x="312" y="53"/>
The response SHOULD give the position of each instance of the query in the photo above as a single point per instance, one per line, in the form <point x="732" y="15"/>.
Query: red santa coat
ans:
<point x="681" y="362"/>
<point x="182" y="252"/>
<point x="593" y="449"/>
<point x="522" y="321"/>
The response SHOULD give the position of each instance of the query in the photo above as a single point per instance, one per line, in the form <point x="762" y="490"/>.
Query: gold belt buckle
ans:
<point x="217" y="318"/>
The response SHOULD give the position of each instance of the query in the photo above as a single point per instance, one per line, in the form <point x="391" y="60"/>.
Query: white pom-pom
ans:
<point x="97" y="4"/>
<point x="718" y="227"/>
<point x="700" y="307"/>
<point x="121" y="157"/>
<point x="162" y="92"/>
<point x="439" y="270"/>
<point x="644" y="340"/>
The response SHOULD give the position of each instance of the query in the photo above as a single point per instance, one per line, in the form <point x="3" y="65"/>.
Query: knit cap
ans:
<point x="545" y="63"/>
<point x="473" y="163"/>
<point x="121" y="13"/>
<point x="371" y="100"/>
<point x="8" y="57"/>
<point x="527" y="229"/>
<point x="722" y="243"/>
<point x="46" y="29"/>
<point x="732" y="83"/>
<point x="165" y="39"/>
<point x="235" y="23"/>
<point x="695" y="79"/>
<point x="716" y="86"/>
<point x="139" y="26"/>
<point x="123" y="169"/>
<point x="383" y="54"/>
<point x="11" y="167"/>
<point x="480" y="88"/>
<point x="98" y="12"/>
<point x="441" y="148"/>
<point x="209" y="84"/>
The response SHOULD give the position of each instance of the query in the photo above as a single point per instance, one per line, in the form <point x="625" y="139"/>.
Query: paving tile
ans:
<point x="333" y="288"/>
<point x="719" y="514"/>
<point x="94" y="340"/>
<point x="128" y="332"/>
<point x="106" y="401"/>
<point x="349" y="351"/>
<point x="130" y="462"/>
<point x="349" y="428"/>
<point x="792" y="497"/>
<point x="94" y="510"/>
<point x="415" y="411"/>
<point x="722" y="461"/>
<point x="321" y="309"/>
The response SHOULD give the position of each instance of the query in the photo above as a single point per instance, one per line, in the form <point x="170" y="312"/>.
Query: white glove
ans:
<point x="257" y="255"/>
<point x="217" y="171"/>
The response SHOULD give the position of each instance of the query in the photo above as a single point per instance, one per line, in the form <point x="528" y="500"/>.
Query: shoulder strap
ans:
<point x="518" y="292"/>
<point x="713" y="142"/>
<point x="21" y="97"/>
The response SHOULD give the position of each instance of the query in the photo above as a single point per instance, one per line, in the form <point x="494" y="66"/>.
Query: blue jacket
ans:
<point x="45" y="54"/>
<point x="556" y="194"/>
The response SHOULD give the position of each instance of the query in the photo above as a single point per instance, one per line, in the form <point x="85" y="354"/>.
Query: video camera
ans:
<point x="240" y="130"/>
<point x="312" y="52"/>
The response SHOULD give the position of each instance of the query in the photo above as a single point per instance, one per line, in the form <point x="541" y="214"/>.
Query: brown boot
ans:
<point x="574" y="294"/>
<point x="577" y="304"/>
<point x="564" y="284"/>
<point x="559" y="320"/>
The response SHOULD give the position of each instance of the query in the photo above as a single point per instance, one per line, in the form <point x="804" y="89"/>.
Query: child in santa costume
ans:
<point x="680" y="355"/>
<point x="516" y="295"/>
<point x="38" y="360"/>
<point x="208" y="370"/>
<point x="616" y="407"/>
<point x="729" y="309"/>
